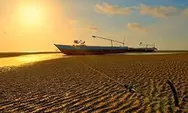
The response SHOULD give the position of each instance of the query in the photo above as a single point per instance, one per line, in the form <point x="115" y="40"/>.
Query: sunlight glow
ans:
<point x="31" y="14"/>
<point x="28" y="59"/>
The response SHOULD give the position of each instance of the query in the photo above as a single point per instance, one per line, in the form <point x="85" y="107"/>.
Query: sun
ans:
<point x="31" y="15"/>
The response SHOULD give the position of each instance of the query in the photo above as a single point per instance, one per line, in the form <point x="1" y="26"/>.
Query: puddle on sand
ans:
<point x="25" y="59"/>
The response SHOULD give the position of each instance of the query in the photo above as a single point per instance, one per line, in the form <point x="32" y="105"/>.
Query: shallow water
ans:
<point x="25" y="59"/>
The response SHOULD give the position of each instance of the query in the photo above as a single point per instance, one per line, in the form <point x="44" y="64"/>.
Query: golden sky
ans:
<point x="35" y="25"/>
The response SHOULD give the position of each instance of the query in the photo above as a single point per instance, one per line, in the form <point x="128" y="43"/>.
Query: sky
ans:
<point x="35" y="25"/>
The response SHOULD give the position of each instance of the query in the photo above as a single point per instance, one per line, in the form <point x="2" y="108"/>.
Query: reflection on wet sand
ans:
<point x="20" y="60"/>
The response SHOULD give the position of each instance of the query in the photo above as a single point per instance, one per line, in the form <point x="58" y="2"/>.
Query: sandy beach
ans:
<point x="95" y="84"/>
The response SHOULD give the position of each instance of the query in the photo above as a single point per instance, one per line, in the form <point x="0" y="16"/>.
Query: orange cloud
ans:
<point x="113" y="9"/>
<point x="159" y="12"/>
<point x="155" y="11"/>
<point x="137" y="27"/>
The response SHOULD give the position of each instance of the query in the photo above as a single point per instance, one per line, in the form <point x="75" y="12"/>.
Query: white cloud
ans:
<point x="94" y="28"/>
<point x="159" y="12"/>
<point x="155" y="11"/>
<point x="185" y="12"/>
<point x="137" y="27"/>
<point x="113" y="9"/>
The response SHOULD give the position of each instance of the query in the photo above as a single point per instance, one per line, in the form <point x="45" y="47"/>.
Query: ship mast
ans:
<point x="110" y="40"/>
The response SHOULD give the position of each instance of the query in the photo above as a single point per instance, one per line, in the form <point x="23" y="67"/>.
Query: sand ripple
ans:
<point x="70" y="85"/>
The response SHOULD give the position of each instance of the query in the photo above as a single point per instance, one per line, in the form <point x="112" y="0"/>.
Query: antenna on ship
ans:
<point x="124" y="41"/>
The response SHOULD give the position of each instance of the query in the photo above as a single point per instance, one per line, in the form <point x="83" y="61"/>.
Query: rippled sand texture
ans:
<point x="81" y="84"/>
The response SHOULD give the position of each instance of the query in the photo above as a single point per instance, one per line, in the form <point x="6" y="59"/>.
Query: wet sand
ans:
<point x="30" y="58"/>
<point x="94" y="84"/>
<point x="14" y="54"/>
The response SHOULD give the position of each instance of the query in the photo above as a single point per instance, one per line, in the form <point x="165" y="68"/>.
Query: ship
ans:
<point x="79" y="48"/>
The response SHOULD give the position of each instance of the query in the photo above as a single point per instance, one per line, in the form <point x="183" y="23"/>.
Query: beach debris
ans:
<point x="130" y="88"/>
<point x="174" y="92"/>
<point x="185" y="98"/>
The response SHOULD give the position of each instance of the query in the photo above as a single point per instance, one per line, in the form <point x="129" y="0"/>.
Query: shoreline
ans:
<point x="15" y="54"/>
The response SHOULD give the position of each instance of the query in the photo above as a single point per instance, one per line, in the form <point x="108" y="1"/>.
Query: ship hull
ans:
<point x="153" y="49"/>
<point x="99" y="50"/>
<point x="90" y="50"/>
